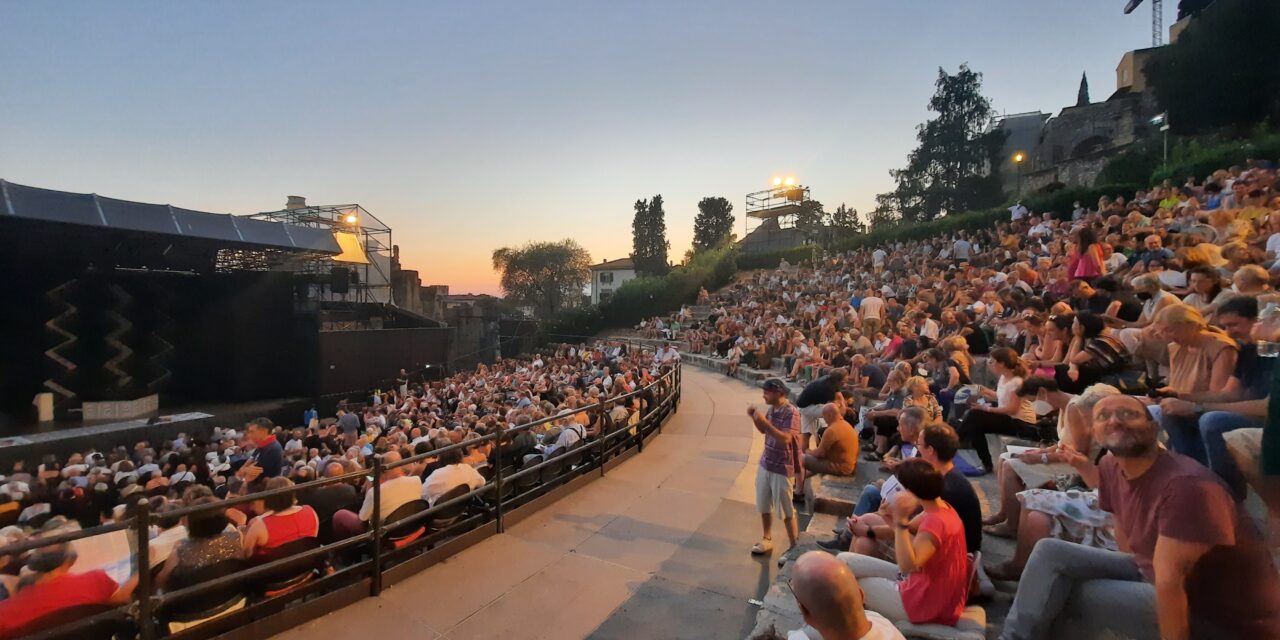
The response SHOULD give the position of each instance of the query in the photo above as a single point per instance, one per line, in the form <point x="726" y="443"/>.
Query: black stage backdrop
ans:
<point x="119" y="335"/>
<point x="353" y="361"/>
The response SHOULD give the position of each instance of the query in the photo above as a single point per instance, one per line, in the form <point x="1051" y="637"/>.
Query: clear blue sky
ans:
<point x="472" y="125"/>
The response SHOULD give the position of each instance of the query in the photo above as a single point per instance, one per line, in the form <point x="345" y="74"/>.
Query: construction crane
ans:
<point x="1157" y="19"/>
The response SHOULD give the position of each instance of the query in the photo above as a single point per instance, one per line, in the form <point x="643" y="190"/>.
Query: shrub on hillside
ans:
<point x="772" y="259"/>
<point x="1199" y="158"/>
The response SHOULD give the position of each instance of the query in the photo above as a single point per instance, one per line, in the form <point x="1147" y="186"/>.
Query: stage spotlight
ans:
<point x="351" y="218"/>
<point x="791" y="182"/>
<point x="777" y="182"/>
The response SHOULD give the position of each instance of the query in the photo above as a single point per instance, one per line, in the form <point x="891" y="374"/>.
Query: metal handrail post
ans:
<point x="375" y="586"/>
<point x="601" y="438"/>
<point x="146" y="625"/>
<point x="497" y="486"/>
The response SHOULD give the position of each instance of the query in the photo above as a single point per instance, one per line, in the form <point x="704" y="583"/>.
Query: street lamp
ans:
<point x="1018" y="158"/>
<point x="1162" y="121"/>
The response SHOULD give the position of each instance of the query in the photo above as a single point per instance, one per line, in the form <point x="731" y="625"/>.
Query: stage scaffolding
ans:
<point x="366" y="255"/>
<point x="779" y="204"/>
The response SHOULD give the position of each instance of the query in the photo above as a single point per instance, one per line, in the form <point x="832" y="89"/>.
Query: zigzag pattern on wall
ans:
<point x="160" y="356"/>
<point x="122" y="328"/>
<point x="54" y="353"/>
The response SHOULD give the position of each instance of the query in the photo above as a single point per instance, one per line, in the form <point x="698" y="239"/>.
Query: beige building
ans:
<point x="607" y="276"/>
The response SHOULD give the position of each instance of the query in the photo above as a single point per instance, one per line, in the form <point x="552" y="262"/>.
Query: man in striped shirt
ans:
<point x="775" y="480"/>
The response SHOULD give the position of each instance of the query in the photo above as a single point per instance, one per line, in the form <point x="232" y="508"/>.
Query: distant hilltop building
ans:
<point x="1072" y="147"/>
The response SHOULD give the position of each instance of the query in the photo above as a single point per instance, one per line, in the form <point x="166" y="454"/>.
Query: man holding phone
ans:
<point x="775" y="479"/>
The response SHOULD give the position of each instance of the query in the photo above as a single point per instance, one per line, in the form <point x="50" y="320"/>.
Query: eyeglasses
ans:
<point x="1123" y="415"/>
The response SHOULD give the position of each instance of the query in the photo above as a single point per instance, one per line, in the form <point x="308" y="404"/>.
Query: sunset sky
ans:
<point x="467" y="126"/>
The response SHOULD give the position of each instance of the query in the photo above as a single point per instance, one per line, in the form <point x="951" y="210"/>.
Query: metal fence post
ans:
<point x="375" y="586"/>
<point x="142" y="522"/>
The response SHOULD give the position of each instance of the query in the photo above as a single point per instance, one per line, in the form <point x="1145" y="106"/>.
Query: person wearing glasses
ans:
<point x="1191" y="563"/>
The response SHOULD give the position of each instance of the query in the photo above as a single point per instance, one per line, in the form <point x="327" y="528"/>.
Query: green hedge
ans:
<point x="648" y="296"/>
<point x="772" y="259"/>
<point x="1058" y="201"/>
<point x="1201" y="157"/>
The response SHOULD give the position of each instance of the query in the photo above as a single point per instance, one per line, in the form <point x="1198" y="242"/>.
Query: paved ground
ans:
<point x="656" y="549"/>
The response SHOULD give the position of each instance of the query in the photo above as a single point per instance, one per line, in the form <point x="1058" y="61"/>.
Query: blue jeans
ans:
<point x="869" y="501"/>
<point x="1200" y="437"/>
<point x="1212" y="425"/>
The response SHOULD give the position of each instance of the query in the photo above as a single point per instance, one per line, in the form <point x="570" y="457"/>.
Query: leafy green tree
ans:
<point x="811" y="220"/>
<point x="944" y="173"/>
<point x="713" y="224"/>
<point x="548" y="276"/>
<point x="649" y="237"/>
<point x="1222" y="71"/>
<point x="846" y="222"/>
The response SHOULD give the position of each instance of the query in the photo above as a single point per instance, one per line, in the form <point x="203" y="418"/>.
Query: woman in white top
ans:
<point x="1013" y="415"/>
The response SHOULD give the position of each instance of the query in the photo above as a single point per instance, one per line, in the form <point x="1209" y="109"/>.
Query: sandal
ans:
<point x="873" y="456"/>
<point x="762" y="547"/>
<point x="1000" y="531"/>
<point x="1003" y="572"/>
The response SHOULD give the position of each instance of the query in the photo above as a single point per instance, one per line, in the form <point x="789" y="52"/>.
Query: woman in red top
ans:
<point x="930" y="553"/>
<point x="50" y="587"/>
<point x="282" y="521"/>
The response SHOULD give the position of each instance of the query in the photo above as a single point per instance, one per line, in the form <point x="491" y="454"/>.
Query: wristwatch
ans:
<point x="1044" y="458"/>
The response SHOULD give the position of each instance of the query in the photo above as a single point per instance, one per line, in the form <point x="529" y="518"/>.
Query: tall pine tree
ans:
<point x="649" y="237"/>
<point x="713" y="224"/>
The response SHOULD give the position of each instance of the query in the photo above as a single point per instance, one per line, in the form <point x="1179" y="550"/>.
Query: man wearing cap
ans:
<point x="775" y="480"/>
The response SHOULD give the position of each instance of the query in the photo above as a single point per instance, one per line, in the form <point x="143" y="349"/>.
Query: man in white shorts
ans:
<point x="775" y="479"/>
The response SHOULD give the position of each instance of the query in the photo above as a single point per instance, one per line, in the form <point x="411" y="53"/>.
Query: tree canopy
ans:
<point x="649" y="237"/>
<point x="713" y="224"/>
<point x="944" y="174"/>
<point x="1222" y="71"/>
<point x="548" y="276"/>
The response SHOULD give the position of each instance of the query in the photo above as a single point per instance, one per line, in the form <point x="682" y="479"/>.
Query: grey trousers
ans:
<point x="1082" y="592"/>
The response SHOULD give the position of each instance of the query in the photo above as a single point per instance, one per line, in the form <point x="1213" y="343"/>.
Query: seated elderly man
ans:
<point x="837" y="452"/>
<point x="398" y="489"/>
<point x="1193" y="564"/>
<point x="830" y="601"/>
<point x="452" y="473"/>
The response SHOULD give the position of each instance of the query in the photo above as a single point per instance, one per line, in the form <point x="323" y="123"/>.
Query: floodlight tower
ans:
<point x="778" y="204"/>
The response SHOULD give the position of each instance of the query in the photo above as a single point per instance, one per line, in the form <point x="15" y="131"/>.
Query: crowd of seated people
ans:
<point x="1123" y="352"/>
<point x="87" y="488"/>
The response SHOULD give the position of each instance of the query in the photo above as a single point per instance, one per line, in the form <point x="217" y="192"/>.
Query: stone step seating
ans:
<point x="700" y="311"/>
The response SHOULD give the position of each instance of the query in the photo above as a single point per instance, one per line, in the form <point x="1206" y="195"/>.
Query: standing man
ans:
<point x="267" y="459"/>
<point x="349" y="423"/>
<point x="775" y="479"/>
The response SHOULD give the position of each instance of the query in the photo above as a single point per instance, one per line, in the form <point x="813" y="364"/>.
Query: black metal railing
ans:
<point x="360" y="566"/>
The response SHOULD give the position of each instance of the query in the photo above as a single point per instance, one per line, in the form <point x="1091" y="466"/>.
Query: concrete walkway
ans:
<point x="658" y="548"/>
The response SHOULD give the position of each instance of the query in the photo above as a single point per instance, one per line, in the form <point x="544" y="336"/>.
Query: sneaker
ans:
<point x="782" y="559"/>
<point x="831" y="545"/>
<point x="762" y="547"/>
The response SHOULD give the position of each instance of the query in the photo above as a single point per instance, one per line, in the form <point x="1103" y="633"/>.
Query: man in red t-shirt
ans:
<point x="51" y="588"/>
<point x="1193" y="565"/>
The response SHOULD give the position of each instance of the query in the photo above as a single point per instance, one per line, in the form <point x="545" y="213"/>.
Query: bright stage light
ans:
<point x="791" y="182"/>
<point x="777" y="182"/>
<point x="1019" y="157"/>
<point x="351" y="218"/>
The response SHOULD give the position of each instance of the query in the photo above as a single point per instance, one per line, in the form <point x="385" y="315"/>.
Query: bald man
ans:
<point x="831" y="602"/>
<point x="837" y="451"/>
